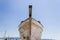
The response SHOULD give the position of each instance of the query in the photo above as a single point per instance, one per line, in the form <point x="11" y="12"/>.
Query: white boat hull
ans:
<point x="32" y="32"/>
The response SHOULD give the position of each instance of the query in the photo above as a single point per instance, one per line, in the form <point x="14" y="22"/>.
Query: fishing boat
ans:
<point x="30" y="29"/>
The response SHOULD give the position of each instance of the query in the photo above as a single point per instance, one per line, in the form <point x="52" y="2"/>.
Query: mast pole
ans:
<point x="30" y="11"/>
<point x="30" y="18"/>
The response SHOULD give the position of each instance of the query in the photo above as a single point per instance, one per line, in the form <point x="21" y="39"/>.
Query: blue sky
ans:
<point x="12" y="12"/>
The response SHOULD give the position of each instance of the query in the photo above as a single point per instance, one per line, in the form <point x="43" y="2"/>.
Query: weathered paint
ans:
<point x="36" y="30"/>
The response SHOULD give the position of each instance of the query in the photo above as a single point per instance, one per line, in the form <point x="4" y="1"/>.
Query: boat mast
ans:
<point x="30" y="18"/>
<point x="30" y="11"/>
<point x="5" y="34"/>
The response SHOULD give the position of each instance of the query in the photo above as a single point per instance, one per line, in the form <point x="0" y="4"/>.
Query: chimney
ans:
<point x="30" y="11"/>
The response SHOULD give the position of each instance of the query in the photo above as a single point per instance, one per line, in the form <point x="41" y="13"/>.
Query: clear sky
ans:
<point x="12" y="12"/>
